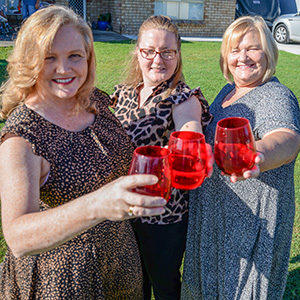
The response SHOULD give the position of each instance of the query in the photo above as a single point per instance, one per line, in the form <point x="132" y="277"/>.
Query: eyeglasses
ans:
<point x="164" y="54"/>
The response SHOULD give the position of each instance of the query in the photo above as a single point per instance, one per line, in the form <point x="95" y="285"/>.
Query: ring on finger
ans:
<point x="130" y="211"/>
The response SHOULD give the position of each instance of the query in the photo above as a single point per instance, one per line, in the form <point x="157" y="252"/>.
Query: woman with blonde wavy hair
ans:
<point x="64" y="208"/>
<point x="153" y="102"/>
<point x="28" y="57"/>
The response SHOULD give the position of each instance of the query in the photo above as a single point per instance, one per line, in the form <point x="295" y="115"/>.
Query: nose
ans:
<point x="63" y="66"/>
<point x="243" y="55"/>
<point x="157" y="57"/>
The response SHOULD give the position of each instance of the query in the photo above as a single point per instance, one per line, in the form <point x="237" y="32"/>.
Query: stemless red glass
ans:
<point x="152" y="160"/>
<point x="188" y="159"/>
<point x="234" y="145"/>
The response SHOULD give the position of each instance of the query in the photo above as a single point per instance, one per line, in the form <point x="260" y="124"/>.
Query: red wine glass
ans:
<point x="234" y="148"/>
<point x="188" y="159"/>
<point x="152" y="160"/>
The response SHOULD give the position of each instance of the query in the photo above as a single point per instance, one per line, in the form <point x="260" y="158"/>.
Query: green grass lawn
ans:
<point x="201" y="68"/>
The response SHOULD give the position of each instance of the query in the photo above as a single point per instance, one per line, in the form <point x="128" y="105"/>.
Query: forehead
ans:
<point x="250" y="37"/>
<point x="158" y="38"/>
<point x="68" y="38"/>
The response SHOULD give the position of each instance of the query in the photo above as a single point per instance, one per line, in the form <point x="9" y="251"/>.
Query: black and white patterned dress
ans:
<point x="101" y="263"/>
<point x="239" y="234"/>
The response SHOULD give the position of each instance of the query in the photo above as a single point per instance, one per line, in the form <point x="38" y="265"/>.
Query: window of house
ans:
<point x="180" y="9"/>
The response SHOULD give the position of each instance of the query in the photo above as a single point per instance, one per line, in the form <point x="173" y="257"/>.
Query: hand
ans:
<point x="210" y="160"/>
<point x="253" y="172"/>
<point x="119" y="202"/>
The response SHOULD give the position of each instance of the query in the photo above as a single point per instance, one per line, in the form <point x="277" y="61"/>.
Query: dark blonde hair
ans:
<point x="236" y="31"/>
<point x="33" y="42"/>
<point x="134" y="76"/>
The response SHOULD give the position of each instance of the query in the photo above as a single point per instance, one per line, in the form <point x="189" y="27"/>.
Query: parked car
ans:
<point x="286" y="28"/>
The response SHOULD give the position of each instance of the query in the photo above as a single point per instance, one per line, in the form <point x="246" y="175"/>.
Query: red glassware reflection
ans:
<point x="234" y="145"/>
<point x="152" y="160"/>
<point x="188" y="159"/>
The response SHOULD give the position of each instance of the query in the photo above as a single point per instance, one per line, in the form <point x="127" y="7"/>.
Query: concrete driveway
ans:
<point x="292" y="48"/>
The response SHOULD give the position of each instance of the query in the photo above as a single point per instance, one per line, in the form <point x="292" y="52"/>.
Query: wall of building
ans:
<point x="133" y="14"/>
<point x="128" y="15"/>
<point x="116" y="10"/>
<point x="218" y="14"/>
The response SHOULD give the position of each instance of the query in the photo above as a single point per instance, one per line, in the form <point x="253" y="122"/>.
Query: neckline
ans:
<point x="235" y="101"/>
<point x="57" y="126"/>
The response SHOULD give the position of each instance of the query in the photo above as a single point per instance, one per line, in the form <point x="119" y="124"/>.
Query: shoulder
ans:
<point x="274" y="86"/>
<point x="276" y="93"/>
<point x="21" y="117"/>
<point x="121" y="91"/>
<point x="22" y="124"/>
<point x="180" y="93"/>
<point x="100" y="98"/>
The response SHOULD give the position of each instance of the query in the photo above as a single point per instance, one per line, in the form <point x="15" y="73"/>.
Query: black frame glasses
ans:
<point x="167" y="54"/>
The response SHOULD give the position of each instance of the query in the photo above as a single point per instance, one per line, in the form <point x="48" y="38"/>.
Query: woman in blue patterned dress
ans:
<point x="240" y="229"/>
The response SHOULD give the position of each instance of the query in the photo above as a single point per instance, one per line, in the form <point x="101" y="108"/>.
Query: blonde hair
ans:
<point x="236" y="31"/>
<point x="33" y="42"/>
<point x="134" y="73"/>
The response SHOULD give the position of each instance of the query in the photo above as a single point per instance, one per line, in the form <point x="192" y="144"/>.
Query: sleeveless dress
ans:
<point x="101" y="263"/>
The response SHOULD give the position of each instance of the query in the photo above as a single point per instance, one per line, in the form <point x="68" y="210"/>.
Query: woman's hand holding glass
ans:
<point x="123" y="203"/>
<point x="152" y="160"/>
<point x="235" y="151"/>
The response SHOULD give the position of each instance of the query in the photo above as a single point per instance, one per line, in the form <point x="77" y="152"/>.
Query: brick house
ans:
<point x="192" y="17"/>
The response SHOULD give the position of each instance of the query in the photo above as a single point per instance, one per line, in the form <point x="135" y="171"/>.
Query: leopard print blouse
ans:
<point x="152" y="124"/>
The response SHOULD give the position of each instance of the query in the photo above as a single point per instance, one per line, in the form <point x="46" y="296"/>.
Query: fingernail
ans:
<point x="164" y="201"/>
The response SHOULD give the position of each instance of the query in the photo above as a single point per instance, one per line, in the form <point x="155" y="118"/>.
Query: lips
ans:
<point x="64" y="81"/>
<point x="245" y="66"/>
<point x="157" y="69"/>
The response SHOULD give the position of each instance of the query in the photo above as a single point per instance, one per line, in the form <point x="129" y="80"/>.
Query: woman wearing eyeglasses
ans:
<point x="153" y="102"/>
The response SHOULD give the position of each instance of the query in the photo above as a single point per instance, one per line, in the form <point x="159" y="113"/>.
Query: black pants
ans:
<point x="162" y="248"/>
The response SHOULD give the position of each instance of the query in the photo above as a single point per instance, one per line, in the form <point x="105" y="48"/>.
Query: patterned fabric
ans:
<point x="152" y="124"/>
<point x="239" y="234"/>
<point x="101" y="263"/>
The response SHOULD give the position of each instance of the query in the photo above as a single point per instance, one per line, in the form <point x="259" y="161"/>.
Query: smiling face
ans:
<point x="157" y="70"/>
<point x="65" y="69"/>
<point x="247" y="61"/>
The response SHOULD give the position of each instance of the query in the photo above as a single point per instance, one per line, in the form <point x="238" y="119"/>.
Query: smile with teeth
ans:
<point x="157" y="68"/>
<point x="244" y="66"/>
<point x="64" y="80"/>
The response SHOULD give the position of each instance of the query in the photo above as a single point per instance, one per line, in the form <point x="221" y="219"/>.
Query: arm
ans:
<point x="26" y="229"/>
<point x="279" y="147"/>
<point x="187" y="115"/>
<point x="37" y="4"/>
<point x="277" y="127"/>
<point x="276" y="148"/>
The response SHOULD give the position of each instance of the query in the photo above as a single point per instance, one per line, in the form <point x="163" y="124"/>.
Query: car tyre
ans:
<point x="281" y="34"/>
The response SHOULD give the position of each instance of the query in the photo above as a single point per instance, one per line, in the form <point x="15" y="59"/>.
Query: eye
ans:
<point x="253" y="49"/>
<point x="150" y="52"/>
<point x="49" y="58"/>
<point x="75" y="55"/>
<point x="168" y="52"/>
<point x="234" y="51"/>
